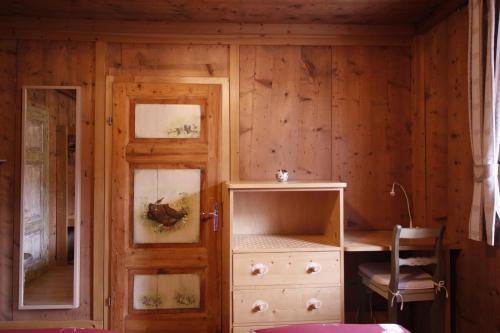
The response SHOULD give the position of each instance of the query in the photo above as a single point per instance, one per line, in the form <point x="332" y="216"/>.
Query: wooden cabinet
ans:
<point x="282" y="254"/>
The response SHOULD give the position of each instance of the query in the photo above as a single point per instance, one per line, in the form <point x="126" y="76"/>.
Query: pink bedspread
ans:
<point x="336" y="328"/>
<point x="55" y="330"/>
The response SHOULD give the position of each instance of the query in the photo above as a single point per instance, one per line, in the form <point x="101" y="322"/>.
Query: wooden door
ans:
<point x="35" y="192"/>
<point x="165" y="252"/>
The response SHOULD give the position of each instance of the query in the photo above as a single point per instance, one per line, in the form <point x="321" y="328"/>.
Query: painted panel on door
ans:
<point x="34" y="135"/>
<point x="166" y="206"/>
<point x="167" y="121"/>
<point x="33" y="187"/>
<point x="166" y="291"/>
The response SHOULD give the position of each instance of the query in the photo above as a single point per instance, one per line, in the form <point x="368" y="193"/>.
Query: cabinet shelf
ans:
<point x="282" y="243"/>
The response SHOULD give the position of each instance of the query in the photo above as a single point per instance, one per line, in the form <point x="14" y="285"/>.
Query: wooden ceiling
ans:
<point x="235" y="11"/>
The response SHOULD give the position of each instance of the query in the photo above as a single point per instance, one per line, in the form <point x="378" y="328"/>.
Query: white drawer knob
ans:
<point x="313" y="267"/>
<point x="313" y="304"/>
<point x="259" y="306"/>
<point x="260" y="269"/>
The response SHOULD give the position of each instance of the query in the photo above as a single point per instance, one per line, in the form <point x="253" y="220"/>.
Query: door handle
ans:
<point x="214" y="215"/>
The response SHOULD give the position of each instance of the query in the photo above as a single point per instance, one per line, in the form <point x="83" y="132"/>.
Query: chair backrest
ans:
<point x="415" y="233"/>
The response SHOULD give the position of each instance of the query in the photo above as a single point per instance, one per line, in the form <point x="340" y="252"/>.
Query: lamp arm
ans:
<point x="407" y="202"/>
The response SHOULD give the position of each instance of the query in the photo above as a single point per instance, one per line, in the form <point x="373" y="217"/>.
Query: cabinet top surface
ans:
<point x="292" y="185"/>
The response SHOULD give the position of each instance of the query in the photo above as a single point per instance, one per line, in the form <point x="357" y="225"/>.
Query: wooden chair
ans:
<point x="402" y="280"/>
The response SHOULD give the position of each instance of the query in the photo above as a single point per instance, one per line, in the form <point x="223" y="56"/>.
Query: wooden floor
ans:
<point x="53" y="287"/>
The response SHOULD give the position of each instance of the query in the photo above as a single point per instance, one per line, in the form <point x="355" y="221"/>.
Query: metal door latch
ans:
<point x="214" y="215"/>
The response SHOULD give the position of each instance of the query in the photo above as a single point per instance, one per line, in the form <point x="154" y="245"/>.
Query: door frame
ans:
<point x="103" y="184"/>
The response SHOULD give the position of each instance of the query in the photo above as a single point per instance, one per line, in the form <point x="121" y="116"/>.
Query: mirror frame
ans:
<point x="77" y="222"/>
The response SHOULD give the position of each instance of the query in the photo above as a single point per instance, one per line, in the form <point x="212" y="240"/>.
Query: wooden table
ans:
<point x="381" y="240"/>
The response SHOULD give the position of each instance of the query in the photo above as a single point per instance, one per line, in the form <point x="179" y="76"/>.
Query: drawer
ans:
<point x="251" y="329"/>
<point x="287" y="305"/>
<point x="258" y="269"/>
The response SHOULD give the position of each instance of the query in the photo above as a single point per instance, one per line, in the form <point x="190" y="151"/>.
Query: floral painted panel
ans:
<point x="167" y="121"/>
<point x="166" y="206"/>
<point x="166" y="291"/>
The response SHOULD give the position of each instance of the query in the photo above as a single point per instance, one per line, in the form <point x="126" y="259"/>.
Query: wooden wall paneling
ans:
<point x="371" y="137"/>
<point x="398" y="132"/>
<point x="477" y="274"/>
<point x="62" y="195"/>
<point x="170" y="60"/>
<point x="113" y="58"/>
<point x="418" y="121"/>
<point x="137" y="27"/>
<point x="8" y="118"/>
<point x="99" y="229"/>
<point x="65" y="63"/>
<point x="459" y="152"/>
<point x="436" y="108"/>
<point x="108" y="141"/>
<point x="234" y="81"/>
<point x="24" y="33"/>
<point x="285" y="112"/>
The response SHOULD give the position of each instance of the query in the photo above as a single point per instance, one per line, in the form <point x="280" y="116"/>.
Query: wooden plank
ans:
<point x="291" y="185"/>
<point x="114" y="60"/>
<point x="459" y="161"/>
<point x="234" y="100"/>
<point x="226" y="262"/>
<point x="175" y="60"/>
<point x="99" y="218"/>
<point x="285" y="112"/>
<point x="418" y="123"/>
<point x="371" y="136"/>
<point x="436" y="108"/>
<point x="181" y="39"/>
<point x="199" y="28"/>
<point x="10" y="116"/>
<point x="62" y="195"/>
<point x="108" y="141"/>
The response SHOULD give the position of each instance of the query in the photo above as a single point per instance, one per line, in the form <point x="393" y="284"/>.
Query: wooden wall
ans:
<point x="449" y="173"/>
<point x="364" y="114"/>
<point x="371" y="132"/>
<point x="8" y="91"/>
<point x="168" y="60"/>
<point x="330" y="113"/>
<point x="30" y="62"/>
<point x="285" y="112"/>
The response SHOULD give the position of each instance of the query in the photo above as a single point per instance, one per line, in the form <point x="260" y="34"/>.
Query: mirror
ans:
<point x="50" y="219"/>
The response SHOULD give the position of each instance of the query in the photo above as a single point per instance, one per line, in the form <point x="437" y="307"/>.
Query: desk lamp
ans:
<point x="393" y="194"/>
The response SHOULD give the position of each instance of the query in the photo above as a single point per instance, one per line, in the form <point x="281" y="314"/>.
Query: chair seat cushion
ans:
<point x="409" y="277"/>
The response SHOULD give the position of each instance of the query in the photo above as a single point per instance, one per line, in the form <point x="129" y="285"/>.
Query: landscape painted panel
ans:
<point x="167" y="121"/>
<point x="166" y="206"/>
<point x="166" y="291"/>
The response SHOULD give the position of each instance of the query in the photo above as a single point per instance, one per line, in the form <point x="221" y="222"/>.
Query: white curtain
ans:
<point x="484" y="116"/>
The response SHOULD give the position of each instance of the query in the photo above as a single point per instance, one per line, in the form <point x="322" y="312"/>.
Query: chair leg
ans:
<point x="437" y="315"/>
<point x="392" y="311"/>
